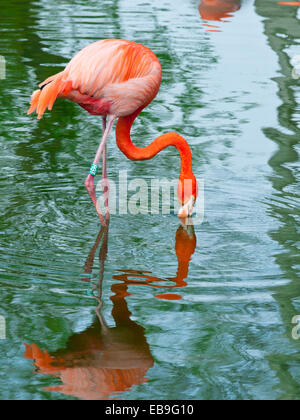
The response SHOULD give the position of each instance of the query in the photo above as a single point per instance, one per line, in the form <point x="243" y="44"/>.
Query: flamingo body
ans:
<point x="117" y="79"/>
<point x="108" y="77"/>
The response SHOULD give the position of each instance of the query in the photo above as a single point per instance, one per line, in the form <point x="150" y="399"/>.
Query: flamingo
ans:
<point x="117" y="79"/>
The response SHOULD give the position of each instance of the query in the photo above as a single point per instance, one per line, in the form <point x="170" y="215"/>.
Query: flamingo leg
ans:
<point x="105" y="184"/>
<point x="89" y="182"/>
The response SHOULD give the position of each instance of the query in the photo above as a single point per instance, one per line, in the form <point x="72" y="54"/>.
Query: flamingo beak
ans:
<point x="187" y="209"/>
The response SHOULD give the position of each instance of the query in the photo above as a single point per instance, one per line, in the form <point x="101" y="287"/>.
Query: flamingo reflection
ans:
<point x="185" y="245"/>
<point x="217" y="10"/>
<point x="104" y="361"/>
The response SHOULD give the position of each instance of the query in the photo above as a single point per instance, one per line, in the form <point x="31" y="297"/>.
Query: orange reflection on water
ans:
<point x="185" y="245"/>
<point x="217" y="10"/>
<point x="289" y="3"/>
<point x="101" y="361"/>
<point x="104" y="361"/>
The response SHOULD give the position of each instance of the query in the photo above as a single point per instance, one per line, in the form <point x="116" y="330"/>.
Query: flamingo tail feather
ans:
<point x="50" y="89"/>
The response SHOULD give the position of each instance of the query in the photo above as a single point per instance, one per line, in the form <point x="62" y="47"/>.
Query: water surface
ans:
<point x="183" y="316"/>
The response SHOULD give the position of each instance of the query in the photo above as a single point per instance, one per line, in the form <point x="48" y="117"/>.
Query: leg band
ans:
<point x="93" y="169"/>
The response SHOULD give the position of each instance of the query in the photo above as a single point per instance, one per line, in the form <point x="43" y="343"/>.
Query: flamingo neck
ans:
<point x="133" y="152"/>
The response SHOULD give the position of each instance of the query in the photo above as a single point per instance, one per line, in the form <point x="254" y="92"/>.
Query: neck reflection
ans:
<point x="104" y="361"/>
<point x="185" y="245"/>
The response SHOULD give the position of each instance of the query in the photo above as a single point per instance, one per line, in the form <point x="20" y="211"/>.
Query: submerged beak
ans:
<point x="187" y="209"/>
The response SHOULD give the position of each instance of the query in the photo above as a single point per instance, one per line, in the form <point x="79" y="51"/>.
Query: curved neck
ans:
<point x="133" y="152"/>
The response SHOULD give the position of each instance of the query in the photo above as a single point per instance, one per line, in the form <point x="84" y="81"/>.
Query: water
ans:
<point x="222" y="329"/>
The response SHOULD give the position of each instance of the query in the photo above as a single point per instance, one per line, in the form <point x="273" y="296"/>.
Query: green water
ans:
<point x="230" y="93"/>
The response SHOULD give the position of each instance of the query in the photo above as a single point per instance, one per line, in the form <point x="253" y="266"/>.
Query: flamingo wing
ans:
<point x="124" y="74"/>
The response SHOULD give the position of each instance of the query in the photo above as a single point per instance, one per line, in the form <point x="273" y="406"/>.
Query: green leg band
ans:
<point x="93" y="169"/>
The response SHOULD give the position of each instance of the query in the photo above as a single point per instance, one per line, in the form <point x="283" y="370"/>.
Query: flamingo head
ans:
<point x="187" y="192"/>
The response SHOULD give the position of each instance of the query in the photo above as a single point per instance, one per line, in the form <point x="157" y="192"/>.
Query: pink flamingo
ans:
<point x="117" y="79"/>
